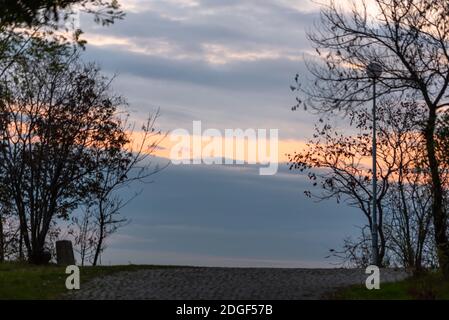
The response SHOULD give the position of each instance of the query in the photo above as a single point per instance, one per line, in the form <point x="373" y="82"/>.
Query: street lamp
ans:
<point x="374" y="71"/>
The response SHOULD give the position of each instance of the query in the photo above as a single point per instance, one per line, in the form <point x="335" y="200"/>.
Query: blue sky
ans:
<point x="229" y="64"/>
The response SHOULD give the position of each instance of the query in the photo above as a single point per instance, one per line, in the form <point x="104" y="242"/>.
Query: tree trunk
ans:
<point x="23" y="225"/>
<point x="382" y="241"/>
<point x="438" y="210"/>
<point x="37" y="255"/>
<point x="20" y="245"/>
<point x="102" y="234"/>
<point x="2" y="242"/>
<point x="99" y="245"/>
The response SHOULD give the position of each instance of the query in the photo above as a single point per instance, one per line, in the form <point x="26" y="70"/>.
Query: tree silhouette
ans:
<point x="339" y="164"/>
<point x="59" y="124"/>
<point x="410" y="40"/>
<point x="41" y="12"/>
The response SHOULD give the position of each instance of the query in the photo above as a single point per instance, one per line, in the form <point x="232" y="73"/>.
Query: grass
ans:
<point x="429" y="286"/>
<point x="24" y="281"/>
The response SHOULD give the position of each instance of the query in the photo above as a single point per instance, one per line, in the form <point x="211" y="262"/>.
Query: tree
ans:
<point x="408" y="222"/>
<point x="43" y="12"/>
<point x="9" y="237"/>
<point x="83" y="232"/>
<point x="21" y="21"/>
<point x="339" y="164"/>
<point x="57" y="119"/>
<point x="410" y="41"/>
<point x="129" y="165"/>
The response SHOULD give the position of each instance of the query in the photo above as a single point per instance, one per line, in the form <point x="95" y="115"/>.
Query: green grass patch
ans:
<point x="429" y="286"/>
<point x="25" y="281"/>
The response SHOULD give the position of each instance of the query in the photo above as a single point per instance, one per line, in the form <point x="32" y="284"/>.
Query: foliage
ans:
<point x="410" y="41"/>
<point x="45" y="12"/>
<point x="61" y="137"/>
<point x="340" y="164"/>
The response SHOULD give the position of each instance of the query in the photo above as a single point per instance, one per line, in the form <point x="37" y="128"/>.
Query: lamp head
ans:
<point x="374" y="70"/>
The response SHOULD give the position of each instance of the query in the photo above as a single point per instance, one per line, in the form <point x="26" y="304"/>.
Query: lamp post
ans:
<point x="374" y="71"/>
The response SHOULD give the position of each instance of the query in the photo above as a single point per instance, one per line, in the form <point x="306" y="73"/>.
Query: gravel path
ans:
<point x="225" y="283"/>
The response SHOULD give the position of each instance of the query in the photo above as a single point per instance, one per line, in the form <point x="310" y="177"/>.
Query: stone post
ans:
<point x="64" y="253"/>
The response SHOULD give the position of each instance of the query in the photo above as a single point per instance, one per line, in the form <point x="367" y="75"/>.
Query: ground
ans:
<point x="22" y="281"/>
<point x="428" y="286"/>
<point x="25" y="281"/>
<point x="225" y="283"/>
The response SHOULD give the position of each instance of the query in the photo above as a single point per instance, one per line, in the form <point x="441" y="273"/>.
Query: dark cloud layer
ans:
<point x="173" y="50"/>
<point x="231" y="215"/>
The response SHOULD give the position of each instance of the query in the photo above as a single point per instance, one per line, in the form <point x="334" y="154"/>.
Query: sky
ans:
<point x="228" y="64"/>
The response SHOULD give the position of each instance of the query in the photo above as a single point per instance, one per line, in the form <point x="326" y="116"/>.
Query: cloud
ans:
<point x="230" y="212"/>
<point x="236" y="28"/>
<point x="228" y="63"/>
<point x="252" y="74"/>
<point x="251" y="95"/>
